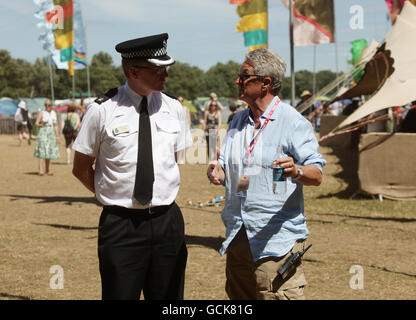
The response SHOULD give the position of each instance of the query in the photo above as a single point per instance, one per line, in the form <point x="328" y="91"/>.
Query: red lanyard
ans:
<point x="256" y="138"/>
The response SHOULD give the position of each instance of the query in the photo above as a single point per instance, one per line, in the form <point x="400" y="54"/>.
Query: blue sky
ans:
<point x="201" y="32"/>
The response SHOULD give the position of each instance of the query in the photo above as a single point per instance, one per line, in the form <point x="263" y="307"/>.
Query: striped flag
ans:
<point x="253" y="23"/>
<point x="314" y="21"/>
<point x="64" y="35"/>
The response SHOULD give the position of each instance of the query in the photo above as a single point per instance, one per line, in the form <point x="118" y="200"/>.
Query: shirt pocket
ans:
<point x="119" y="141"/>
<point x="168" y="129"/>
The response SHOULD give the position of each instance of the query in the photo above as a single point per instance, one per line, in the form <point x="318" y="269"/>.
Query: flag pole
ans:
<point x="267" y="15"/>
<point x="86" y="52"/>
<point x="51" y="77"/>
<point x="73" y="86"/>
<point x="314" y="71"/>
<point x="88" y="80"/>
<point x="336" y="47"/>
<point x="292" y="62"/>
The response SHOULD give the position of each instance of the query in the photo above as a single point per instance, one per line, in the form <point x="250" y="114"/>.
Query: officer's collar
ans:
<point x="135" y="97"/>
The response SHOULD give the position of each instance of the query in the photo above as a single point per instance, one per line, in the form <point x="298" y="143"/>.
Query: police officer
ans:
<point x="132" y="134"/>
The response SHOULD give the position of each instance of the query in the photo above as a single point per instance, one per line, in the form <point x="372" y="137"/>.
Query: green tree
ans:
<point x="103" y="73"/>
<point x="39" y="78"/>
<point x="14" y="75"/>
<point x="221" y="80"/>
<point x="184" y="80"/>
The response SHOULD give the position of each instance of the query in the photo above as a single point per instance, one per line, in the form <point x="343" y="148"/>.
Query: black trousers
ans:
<point x="139" y="251"/>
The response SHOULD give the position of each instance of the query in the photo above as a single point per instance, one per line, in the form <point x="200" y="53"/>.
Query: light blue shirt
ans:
<point x="273" y="221"/>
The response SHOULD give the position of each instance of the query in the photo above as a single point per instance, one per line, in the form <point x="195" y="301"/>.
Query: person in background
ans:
<point x="48" y="138"/>
<point x="70" y="135"/>
<point x="233" y="109"/>
<point x="81" y="109"/>
<point x="24" y="126"/>
<point x="263" y="214"/>
<point x="305" y="95"/>
<point x="213" y="97"/>
<point x="186" y="110"/>
<point x="212" y="123"/>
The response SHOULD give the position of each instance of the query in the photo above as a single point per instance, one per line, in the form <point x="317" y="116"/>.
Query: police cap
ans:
<point x="151" y="48"/>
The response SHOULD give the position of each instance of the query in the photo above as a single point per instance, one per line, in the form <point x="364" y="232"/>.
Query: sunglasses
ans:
<point x="157" y="70"/>
<point x="244" y="76"/>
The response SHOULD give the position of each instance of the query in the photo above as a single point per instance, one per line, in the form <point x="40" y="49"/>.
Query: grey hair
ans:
<point x="128" y="63"/>
<point x="268" y="63"/>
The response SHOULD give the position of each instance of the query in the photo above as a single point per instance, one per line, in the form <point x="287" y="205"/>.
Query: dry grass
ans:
<point x="48" y="221"/>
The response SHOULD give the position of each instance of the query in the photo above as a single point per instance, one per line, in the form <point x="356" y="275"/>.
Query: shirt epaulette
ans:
<point x="170" y="96"/>
<point x="109" y="94"/>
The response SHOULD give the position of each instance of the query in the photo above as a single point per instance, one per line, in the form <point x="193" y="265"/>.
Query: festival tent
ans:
<point x="378" y="162"/>
<point x="7" y="108"/>
<point x="34" y="105"/>
<point x="390" y="70"/>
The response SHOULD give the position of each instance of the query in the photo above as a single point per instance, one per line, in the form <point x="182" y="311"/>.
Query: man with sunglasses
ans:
<point x="269" y="153"/>
<point x="133" y="134"/>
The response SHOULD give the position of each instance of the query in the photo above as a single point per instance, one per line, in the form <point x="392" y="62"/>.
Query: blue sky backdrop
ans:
<point x="201" y="32"/>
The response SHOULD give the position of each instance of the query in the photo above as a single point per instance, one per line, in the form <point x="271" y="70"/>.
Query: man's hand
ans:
<point x="312" y="176"/>
<point x="83" y="170"/>
<point x="215" y="172"/>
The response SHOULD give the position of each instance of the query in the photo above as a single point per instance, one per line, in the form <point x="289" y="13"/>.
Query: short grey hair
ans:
<point x="128" y="63"/>
<point x="269" y="64"/>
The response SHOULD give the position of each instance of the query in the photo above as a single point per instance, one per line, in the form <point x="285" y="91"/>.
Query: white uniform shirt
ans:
<point x="109" y="132"/>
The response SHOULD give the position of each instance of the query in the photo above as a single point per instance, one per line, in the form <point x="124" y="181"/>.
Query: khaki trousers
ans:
<point x="249" y="280"/>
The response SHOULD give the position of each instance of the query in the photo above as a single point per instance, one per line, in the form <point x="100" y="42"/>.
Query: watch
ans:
<point x="300" y="173"/>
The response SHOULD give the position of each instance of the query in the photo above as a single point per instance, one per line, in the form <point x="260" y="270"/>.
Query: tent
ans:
<point x="7" y="108"/>
<point x="376" y="163"/>
<point x="390" y="72"/>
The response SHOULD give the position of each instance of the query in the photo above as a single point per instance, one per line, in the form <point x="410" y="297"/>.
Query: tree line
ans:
<point x="20" y="78"/>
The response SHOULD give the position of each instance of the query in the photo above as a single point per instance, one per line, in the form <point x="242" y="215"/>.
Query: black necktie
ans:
<point x="143" y="187"/>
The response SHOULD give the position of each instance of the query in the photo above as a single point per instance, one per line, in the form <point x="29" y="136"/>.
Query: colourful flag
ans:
<point x="80" y="43"/>
<point x="314" y="21"/>
<point x="253" y="23"/>
<point x="64" y="35"/>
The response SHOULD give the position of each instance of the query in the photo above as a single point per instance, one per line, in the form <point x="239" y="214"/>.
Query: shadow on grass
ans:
<point x="404" y="220"/>
<point x="12" y="296"/>
<point x="54" y="199"/>
<point x="391" y="271"/>
<point x="209" y="242"/>
<point x="64" y="226"/>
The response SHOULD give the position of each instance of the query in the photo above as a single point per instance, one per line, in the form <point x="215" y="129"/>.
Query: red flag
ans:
<point x="239" y="1"/>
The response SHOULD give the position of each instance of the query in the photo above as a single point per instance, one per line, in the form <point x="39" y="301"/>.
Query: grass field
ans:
<point x="52" y="221"/>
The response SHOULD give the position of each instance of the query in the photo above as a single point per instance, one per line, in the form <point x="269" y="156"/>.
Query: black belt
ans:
<point x="130" y="211"/>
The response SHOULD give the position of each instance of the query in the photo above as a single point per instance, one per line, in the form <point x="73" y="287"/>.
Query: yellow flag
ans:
<point x="64" y="41"/>
<point x="252" y="22"/>
<point x="256" y="47"/>
<point x="71" y="68"/>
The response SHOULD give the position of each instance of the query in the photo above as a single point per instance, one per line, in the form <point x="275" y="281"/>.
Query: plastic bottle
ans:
<point x="218" y="199"/>
<point x="279" y="183"/>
